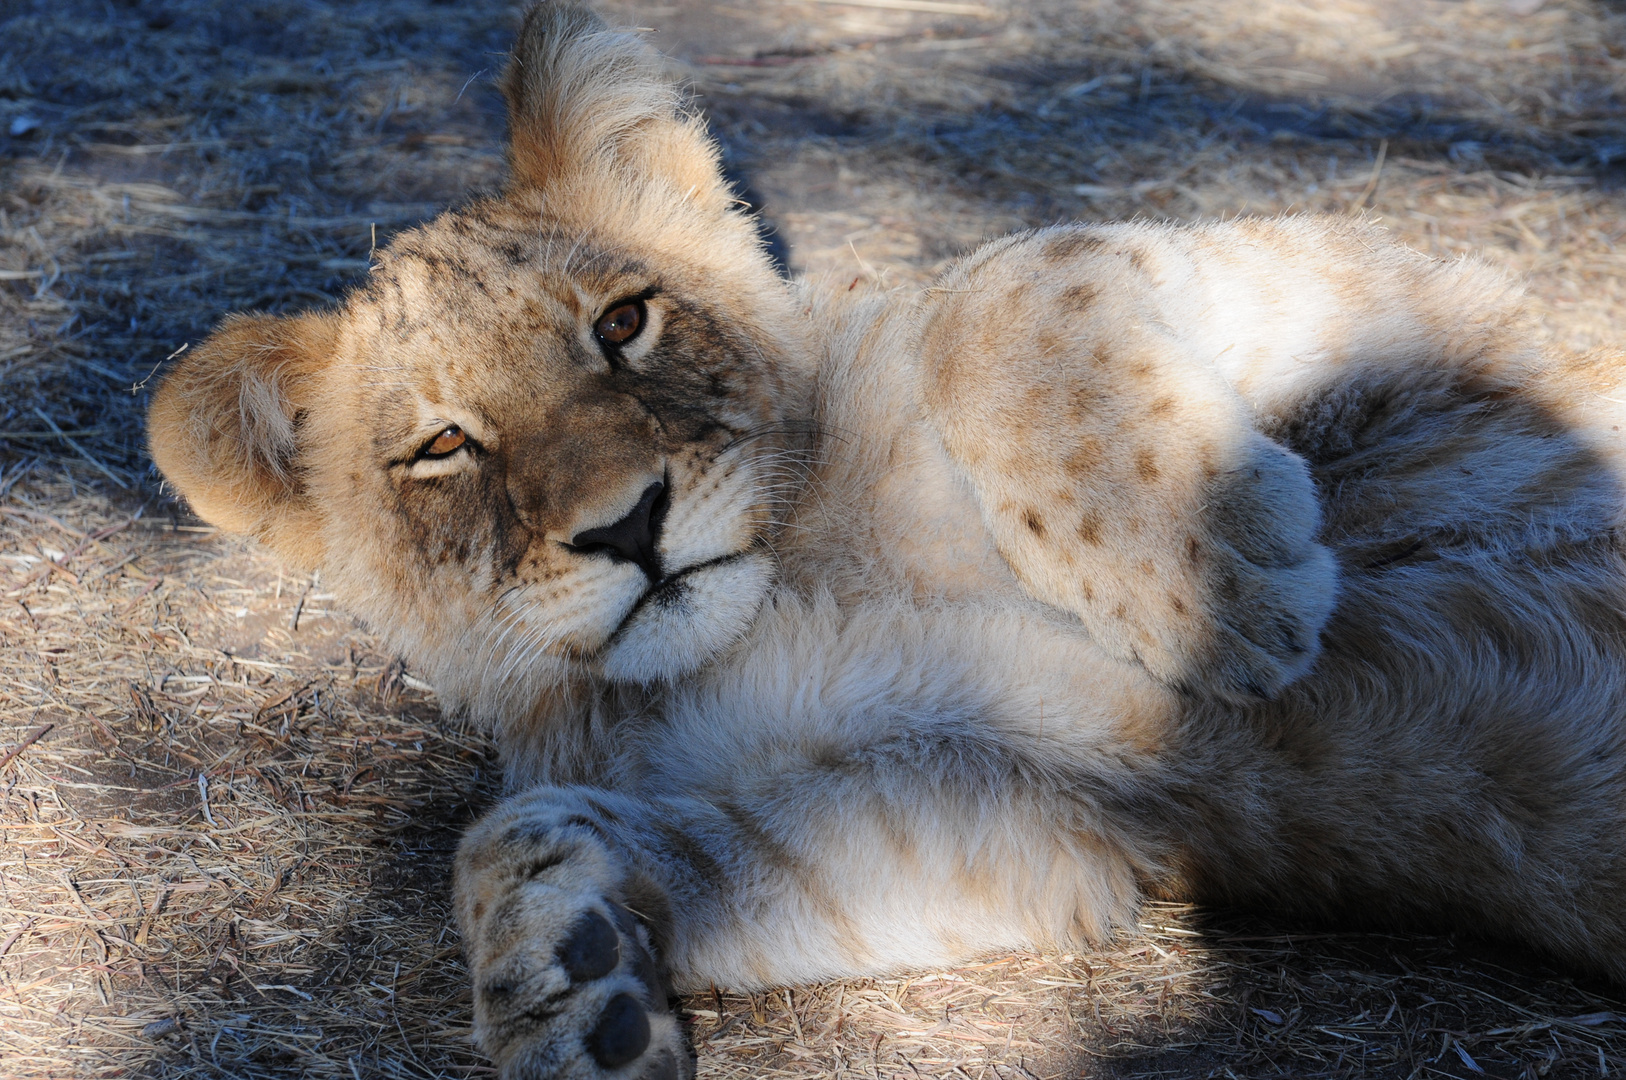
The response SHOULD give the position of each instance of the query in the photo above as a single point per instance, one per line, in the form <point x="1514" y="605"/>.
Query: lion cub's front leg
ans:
<point x="567" y="983"/>
<point x="1121" y="476"/>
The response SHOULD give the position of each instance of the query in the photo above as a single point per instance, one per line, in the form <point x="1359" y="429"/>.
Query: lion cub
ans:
<point x="837" y="632"/>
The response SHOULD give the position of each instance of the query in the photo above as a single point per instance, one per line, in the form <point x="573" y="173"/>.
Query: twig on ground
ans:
<point x="16" y="751"/>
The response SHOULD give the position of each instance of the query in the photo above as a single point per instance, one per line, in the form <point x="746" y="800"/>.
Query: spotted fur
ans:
<point x="1261" y="562"/>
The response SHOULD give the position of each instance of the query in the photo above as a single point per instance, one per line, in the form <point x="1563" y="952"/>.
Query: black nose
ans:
<point x="633" y="538"/>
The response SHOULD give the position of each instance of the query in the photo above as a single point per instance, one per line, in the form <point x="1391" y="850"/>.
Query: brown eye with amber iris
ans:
<point x="621" y="323"/>
<point x="445" y="443"/>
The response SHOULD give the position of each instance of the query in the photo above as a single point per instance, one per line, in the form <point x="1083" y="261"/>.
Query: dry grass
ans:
<point x="174" y="159"/>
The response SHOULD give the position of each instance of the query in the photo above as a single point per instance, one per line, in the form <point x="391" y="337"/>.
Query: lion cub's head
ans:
<point x="544" y="437"/>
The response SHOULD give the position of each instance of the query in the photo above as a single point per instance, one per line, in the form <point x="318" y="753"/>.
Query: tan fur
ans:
<point x="1260" y="562"/>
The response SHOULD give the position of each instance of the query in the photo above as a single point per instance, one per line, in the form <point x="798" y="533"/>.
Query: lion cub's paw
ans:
<point x="595" y="1007"/>
<point x="1270" y="587"/>
<point x="566" y="980"/>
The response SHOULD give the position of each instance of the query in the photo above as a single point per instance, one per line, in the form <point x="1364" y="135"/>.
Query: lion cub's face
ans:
<point x="545" y="438"/>
<point x="575" y="442"/>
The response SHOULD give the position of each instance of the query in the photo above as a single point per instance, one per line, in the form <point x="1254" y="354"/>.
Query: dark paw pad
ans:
<point x="622" y="1032"/>
<point x="625" y="919"/>
<point x="643" y="964"/>
<point x="592" y="950"/>
<point x="649" y="973"/>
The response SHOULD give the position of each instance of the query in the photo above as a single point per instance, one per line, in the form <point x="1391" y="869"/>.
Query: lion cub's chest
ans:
<point x="899" y="620"/>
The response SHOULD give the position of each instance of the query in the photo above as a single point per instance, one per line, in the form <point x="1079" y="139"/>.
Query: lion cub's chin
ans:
<point x="689" y="620"/>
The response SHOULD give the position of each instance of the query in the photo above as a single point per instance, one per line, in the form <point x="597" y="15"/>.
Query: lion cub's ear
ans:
<point x="592" y="118"/>
<point x="224" y="427"/>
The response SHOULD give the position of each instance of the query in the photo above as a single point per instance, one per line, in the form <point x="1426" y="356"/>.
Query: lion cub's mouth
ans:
<point x="687" y="618"/>
<point x="670" y="591"/>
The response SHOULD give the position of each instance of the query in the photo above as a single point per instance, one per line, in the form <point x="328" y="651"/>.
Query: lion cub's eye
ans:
<point x="621" y="323"/>
<point x="445" y="443"/>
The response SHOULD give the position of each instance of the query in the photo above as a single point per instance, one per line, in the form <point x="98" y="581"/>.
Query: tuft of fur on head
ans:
<point x="572" y="83"/>
<point x="589" y="107"/>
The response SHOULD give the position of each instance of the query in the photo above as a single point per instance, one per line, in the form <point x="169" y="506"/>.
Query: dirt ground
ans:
<point x="226" y="816"/>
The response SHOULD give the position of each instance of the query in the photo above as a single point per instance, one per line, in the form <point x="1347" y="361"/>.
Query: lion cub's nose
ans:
<point x="633" y="537"/>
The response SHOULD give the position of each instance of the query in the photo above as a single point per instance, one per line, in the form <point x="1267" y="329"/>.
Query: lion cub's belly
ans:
<point x="821" y="685"/>
<point x="899" y="617"/>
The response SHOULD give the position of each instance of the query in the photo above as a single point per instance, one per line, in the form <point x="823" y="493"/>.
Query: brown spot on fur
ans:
<point x="1070" y="245"/>
<point x="1194" y="550"/>
<point x="1078" y="298"/>
<point x="1177" y="604"/>
<point x="1083" y="399"/>
<point x="1144" y="728"/>
<point x="1145" y="567"/>
<point x="697" y="858"/>
<point x="1205" y="459"/>
<point x="1034" y="522"/>
<point x="1089" y="529"/>
<point x="1085" y="457"/>
<point x="1146" y="466"/>
<point x="1120" y="612"/>
<point x="1085" y="591"/>
<point x="1161" y="406"/>
<point x="761" y="844"/>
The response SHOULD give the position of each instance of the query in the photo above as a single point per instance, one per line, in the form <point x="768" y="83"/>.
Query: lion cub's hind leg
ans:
<point x="1120" y="474"/>
<point x="566" y="984"/>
